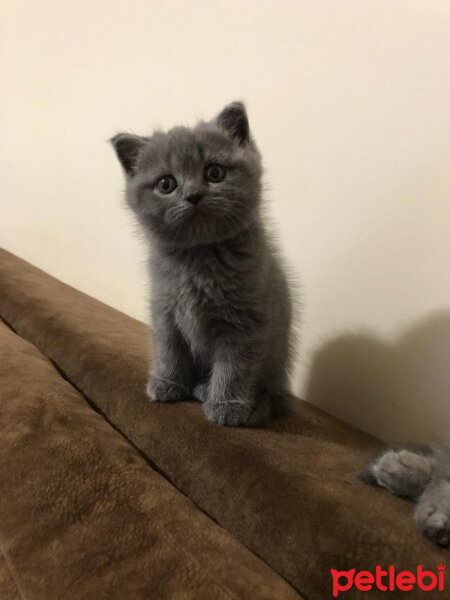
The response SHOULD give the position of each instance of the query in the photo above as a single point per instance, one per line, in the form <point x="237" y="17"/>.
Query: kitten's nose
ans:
<point x="194" y="198"/>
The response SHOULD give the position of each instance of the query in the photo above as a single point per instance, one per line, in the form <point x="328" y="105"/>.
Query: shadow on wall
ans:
<point x="398" y="390"/>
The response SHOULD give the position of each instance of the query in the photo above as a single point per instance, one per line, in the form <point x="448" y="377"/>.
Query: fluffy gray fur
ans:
<point x="220" y="305"/>
<point x="420" y="474"/>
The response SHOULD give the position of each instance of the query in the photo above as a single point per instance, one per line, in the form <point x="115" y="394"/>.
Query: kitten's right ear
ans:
<point x="127" y="147"/>
<point x="233" y="119"/>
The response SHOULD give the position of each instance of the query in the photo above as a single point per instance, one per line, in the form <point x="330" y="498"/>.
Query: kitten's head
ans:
<point x="194" y="186"/>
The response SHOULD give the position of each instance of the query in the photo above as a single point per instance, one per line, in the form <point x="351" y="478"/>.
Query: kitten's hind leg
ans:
<point x="401" y="471"/>
<point x="276" y="402"/>
<point x="261" y="411"/>
<point x="274" y="381"/>
<point x="280" y="403"/>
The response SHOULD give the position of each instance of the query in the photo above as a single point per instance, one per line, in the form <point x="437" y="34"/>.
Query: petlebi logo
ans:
<point x="388" y="580"/>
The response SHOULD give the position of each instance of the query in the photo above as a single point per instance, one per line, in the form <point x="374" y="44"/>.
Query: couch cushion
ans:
<point x="289" y="492"/>
<point x="84" y="516"/>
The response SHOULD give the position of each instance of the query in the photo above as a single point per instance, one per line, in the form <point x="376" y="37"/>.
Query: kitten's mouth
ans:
<point x="197" y="211"/>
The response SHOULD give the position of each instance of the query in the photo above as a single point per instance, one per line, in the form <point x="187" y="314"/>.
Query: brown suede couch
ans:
<point x="105" y="495"/>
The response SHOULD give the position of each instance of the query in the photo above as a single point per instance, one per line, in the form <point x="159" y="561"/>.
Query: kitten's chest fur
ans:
<point x="211" y="291"/>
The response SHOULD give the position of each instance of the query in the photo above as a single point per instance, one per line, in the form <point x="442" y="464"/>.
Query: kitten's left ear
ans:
<point x="127" y="147"/>
<point x="233" y="119"/>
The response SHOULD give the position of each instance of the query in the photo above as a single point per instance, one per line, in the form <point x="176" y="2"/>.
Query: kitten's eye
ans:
<point x="166" y="184"/>
<point x="214" y="173"/>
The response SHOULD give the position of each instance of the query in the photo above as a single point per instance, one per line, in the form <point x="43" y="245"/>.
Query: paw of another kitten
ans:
<point x="401" y="472"/>
<point x="432" y="513"/>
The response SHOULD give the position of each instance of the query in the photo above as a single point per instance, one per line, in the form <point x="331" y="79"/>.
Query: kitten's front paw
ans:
<point x="232" y="413"/>
<point x="433" y="514"/>
<point x="163" y="390"/>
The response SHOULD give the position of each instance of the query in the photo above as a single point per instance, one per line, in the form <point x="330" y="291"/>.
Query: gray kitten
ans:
<point x="221" y="306"/>
<point x="420" y="474"/>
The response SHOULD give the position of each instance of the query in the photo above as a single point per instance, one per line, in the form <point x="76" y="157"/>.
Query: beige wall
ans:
<point x="350" y="103"/>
